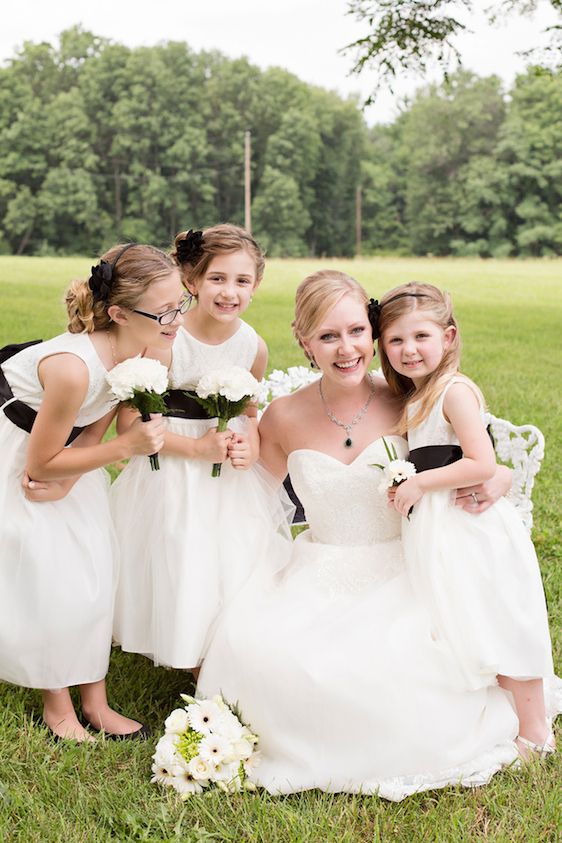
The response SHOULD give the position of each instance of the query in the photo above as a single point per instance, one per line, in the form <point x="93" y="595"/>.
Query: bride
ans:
<point x="331" y="659"/>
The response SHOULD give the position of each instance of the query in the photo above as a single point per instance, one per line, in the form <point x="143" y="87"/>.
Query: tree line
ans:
<point x="100" y="142"/>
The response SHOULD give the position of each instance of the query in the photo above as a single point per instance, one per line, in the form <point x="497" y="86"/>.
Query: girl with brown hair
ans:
<point x="56" y="541"/>
<point x="190" y="540"/>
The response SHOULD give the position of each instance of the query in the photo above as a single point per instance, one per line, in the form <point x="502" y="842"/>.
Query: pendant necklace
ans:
<point x="356" y="418"/>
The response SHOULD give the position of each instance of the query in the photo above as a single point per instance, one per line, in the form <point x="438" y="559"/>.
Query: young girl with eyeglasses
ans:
<point x="478" y="574"/>
<point x="189" y="541"/>
<point x="57" y="550"/>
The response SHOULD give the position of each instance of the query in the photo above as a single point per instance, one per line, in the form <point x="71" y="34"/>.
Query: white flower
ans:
<point x="252" y="762"/>
<point x="165" y="762"/>
<point x="140" y="373"/>
<point x="243" y="749"/>
<point x="228" y="774"/>
<point x="216" y="749"/>
<point x="186" y="785"/>
<point x="200" y="769"/>
<point x="232" y="382"/>
<point x="203" y="716"/>
<point x="177" y="722"/>
<point x="395" y="473"/>
<point x="229" y="726"/>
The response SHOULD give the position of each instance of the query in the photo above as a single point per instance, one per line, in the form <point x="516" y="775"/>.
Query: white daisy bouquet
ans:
<point x="397" y="471"/>
<point x="205" y="743"/>
<point x="225" y="394"/>
<point x="141" y="382"/>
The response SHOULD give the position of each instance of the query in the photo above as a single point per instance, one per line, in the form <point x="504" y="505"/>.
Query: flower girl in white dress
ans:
<point x="479" y="575"/>
<point x="56" y="541"/>
<point x="189" y="540"/>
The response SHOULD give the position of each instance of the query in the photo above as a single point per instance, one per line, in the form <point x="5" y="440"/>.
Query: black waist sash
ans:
<point x="183" y="406"/>
<point x="19" y="413"/>
<point x="434" y="456"/>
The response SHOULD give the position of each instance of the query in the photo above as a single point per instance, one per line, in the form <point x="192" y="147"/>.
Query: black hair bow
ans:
<point x="190" y="249"/>
<point x="373" y="313"/>
<point x="100" y="281"/>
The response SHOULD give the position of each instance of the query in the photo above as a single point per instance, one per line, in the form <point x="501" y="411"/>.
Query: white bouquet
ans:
<point x="396" y="472"/>
<point x="141" y="382"/>
<point x="283" y="383"/>
<point x="225" y="394"/>
<point x="205" y="743"/>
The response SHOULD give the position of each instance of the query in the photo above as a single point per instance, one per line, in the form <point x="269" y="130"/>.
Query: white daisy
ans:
<point x="216" y="749"/>
<point x="252" y="762"/>
<point x="203" y="716"/>
<point x="186" y="785"/>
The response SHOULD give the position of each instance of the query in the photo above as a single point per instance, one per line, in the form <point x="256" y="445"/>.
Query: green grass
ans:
<point x="510" y="314"/>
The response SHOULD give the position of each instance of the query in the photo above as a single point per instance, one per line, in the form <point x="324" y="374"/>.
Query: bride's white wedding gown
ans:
<point x="332" y="661"/>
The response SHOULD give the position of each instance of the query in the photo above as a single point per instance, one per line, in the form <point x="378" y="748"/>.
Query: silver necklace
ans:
<point x="356" y="418"/>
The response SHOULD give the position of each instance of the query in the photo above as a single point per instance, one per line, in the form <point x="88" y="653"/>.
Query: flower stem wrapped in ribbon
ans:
<point x="205" y="743"/>
<point x="141" y="382"/>
<point x="396" y="472"/>
<point x="225" y="394"/>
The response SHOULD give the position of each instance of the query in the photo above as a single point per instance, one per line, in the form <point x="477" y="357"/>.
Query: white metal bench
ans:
<point x="521" y="447"/>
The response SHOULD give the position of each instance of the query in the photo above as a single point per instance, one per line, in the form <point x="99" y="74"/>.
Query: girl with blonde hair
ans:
<point x="479" y="576"/>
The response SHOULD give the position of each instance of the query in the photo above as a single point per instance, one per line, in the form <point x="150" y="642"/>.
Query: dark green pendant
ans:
<point x="348" y="443"/>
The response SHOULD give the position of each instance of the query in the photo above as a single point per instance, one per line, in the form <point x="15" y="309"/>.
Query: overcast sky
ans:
<point x="303" y="36"/>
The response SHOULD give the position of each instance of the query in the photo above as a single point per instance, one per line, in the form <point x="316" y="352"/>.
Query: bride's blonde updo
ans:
<point x="121" y="278"/>
<point x="317" y="295"/>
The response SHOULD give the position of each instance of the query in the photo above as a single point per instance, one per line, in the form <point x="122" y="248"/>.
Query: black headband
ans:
<point x="100" y="281"/>
<point x="374" y="309"/>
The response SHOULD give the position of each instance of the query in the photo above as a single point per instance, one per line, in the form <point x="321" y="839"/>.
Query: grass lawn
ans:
<point x="510" y="313"/>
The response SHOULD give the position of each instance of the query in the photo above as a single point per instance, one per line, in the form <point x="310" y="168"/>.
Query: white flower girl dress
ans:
<point x="57" y="559"/>
<point x="477" y="574"/>
<point x="188" y="540"/>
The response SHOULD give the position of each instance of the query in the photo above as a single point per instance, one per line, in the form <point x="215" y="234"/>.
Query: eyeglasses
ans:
<point x="168" y="317"/>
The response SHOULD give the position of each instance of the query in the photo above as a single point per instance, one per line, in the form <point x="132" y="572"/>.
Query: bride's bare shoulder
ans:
<point x="287" y="407"/>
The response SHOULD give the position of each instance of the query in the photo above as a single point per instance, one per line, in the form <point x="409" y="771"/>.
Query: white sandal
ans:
<point x="543" y="750"/>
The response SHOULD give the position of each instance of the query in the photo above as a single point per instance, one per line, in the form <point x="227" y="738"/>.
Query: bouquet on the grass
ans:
<point x="397" y="471"/>
<point x="225" y="394"/>
<point x="205" y="743"/>
<point x="141" y="382"/>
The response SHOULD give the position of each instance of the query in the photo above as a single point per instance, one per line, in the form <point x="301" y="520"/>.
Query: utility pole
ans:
<point x="247" y="183"/>
<point x="358" y="225"/>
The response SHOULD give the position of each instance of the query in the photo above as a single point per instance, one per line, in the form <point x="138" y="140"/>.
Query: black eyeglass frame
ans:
<point x="183" y="308"/>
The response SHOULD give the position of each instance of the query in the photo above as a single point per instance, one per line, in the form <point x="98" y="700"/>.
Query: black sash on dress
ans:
<point x="19" y="413"/>
<point x="183" y="406"/>
<point x="434" y="456"/>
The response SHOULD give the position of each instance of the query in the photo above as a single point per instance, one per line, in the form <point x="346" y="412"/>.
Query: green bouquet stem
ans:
<point x="221" y="427"/>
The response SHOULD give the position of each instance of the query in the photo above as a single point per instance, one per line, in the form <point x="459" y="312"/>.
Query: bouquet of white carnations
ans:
<point x="225" y="394"/>
<point x="205" y="743"/>
<point x="397" y="471"/>
<point x="141" y="382"/>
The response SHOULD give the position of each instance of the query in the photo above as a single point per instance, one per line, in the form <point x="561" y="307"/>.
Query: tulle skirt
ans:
<point x="56" y="577"/>
<point x="480" y="579"/>
<point x="188" y="542"/>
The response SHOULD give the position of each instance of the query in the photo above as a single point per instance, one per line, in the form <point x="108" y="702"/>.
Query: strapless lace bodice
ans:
<point x="343" y="503"/>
